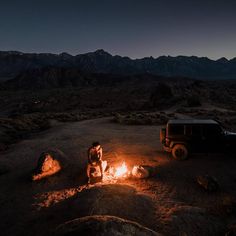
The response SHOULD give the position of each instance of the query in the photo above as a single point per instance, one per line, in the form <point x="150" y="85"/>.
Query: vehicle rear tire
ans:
<point x="180" y="152"/>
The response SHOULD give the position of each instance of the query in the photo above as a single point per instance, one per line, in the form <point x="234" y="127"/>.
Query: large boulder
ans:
<point x="103" y="225"/>
<point x="49" y="163"/>
<point x="118" y="200"/>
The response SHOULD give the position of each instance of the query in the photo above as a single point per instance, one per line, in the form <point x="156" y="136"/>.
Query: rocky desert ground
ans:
<point x="125" y="115"/>
<point x="170" y="202"/>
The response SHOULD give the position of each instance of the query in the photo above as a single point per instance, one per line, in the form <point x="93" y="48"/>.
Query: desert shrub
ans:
<point x="142" y="118"/>
<point x="193" y="101"/>
<point x="162" y="96"/>
<point x="19" y="127"/>
<point x="117" y="118"/>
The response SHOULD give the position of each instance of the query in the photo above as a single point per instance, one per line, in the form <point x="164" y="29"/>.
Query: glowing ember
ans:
<point x="121" y="171"/>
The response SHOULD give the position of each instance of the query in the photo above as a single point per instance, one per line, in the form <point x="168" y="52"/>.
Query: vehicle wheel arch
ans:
<point x="180" y="151"/>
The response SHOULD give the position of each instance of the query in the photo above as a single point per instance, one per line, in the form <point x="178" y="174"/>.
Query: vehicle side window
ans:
<point x="196" y="130"/>
<point x="188" y="130"/>
<point x="176" y="129"/>
<point x="212" y="130"/>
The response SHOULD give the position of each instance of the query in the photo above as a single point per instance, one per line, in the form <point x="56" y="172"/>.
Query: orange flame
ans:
<point x="121" y="171"/>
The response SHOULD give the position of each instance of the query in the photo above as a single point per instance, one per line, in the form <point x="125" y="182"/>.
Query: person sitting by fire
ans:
<point x="94" y="159"/>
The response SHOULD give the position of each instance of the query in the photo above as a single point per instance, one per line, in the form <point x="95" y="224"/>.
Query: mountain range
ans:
<point x="14" y="63"/>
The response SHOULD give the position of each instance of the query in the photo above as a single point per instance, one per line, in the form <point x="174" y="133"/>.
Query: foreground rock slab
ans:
<point x="194" y="221"/>
<point x="103" y="225"/>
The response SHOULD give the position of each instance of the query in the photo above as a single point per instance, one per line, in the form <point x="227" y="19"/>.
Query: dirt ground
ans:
<point x="170" y="202"/>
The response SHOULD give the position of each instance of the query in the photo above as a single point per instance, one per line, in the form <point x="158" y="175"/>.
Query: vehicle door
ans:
<point x="197" y="140"/>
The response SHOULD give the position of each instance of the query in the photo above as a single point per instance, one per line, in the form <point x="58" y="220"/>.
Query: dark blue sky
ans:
<point x="134" y="28"/>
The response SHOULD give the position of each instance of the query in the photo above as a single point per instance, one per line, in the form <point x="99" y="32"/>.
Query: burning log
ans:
<point x="123" y="172"/>
<point x="119" y="172"/>
<point x="113" y="174"/>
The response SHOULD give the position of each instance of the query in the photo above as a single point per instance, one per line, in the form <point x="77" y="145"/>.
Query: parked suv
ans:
<point x="181" y="137"/>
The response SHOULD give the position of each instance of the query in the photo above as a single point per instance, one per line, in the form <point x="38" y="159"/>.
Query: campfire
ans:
<point x="121" y="172"/>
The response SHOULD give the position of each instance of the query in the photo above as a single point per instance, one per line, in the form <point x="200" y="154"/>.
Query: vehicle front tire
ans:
<point x="180" y="152"/>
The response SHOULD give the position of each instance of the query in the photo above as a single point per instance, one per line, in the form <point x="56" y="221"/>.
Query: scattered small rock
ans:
<point x="229" y="204"/>
<point x="231" y="231"/>
<point x="208" y="183"/>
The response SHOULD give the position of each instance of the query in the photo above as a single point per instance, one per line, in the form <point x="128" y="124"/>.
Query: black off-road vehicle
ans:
<point x="181" y="137"/>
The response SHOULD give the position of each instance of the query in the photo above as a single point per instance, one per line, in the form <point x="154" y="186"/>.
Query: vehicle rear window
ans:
<point x="176" y="129"/>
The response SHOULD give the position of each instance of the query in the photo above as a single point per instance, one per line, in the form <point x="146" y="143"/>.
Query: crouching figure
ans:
<point x="94" y="159"/>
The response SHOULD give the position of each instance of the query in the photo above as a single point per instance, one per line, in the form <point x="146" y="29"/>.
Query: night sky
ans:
<point x="134" y="28"/>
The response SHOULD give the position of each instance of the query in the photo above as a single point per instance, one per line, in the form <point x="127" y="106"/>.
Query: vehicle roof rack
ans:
<point x="192" y="121"/>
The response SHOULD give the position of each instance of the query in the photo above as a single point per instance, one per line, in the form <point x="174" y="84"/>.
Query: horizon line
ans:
<point x="138" y="58"/>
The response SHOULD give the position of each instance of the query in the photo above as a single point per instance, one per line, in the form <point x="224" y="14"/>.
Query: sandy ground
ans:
<point x="170" y="202"/>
